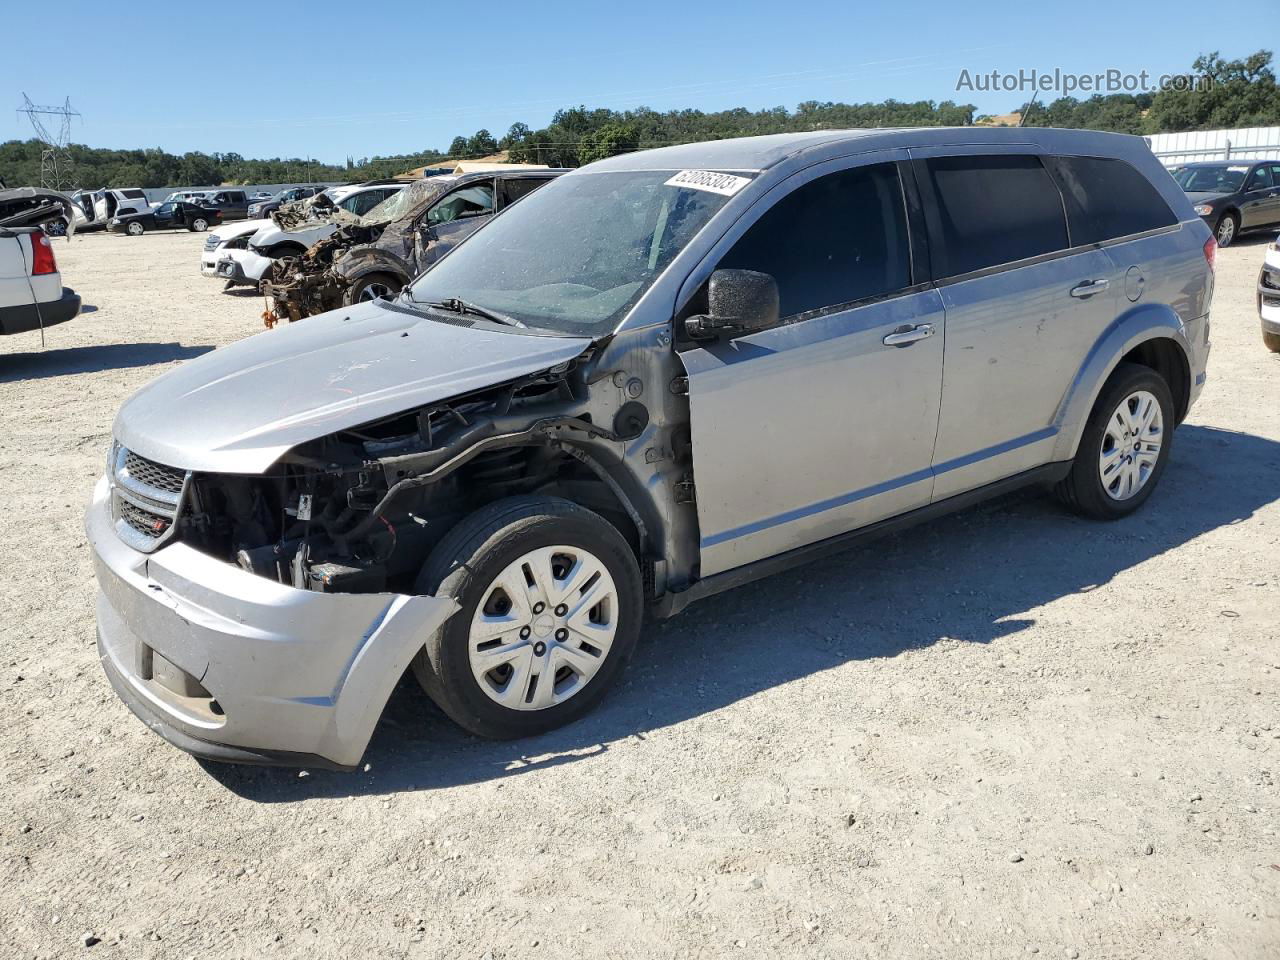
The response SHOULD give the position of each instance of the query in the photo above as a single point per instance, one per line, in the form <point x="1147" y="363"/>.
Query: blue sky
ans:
<point x="327" y="80"/>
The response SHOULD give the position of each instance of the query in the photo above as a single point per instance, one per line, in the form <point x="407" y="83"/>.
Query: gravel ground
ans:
<point x="1010" y="732"/>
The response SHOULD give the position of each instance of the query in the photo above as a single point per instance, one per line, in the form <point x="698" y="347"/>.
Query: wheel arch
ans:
<point x="1150" y="335"/>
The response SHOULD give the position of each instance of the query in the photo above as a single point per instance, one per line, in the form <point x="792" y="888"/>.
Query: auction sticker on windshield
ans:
<point x="725" y="184"/>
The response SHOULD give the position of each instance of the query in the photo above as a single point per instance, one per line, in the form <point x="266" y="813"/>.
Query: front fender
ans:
<point x="1136" y="326"/>
<point x="359" y="262"/>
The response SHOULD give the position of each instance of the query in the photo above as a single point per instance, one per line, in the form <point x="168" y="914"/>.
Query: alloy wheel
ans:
<point x="1226" y="231"/>
<point x="374" y="291"/>
<point x="1131" y="445"/>
<point x="543" y="628"/>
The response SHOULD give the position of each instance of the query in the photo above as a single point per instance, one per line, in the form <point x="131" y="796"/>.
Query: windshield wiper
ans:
<point x="459" y="306"/>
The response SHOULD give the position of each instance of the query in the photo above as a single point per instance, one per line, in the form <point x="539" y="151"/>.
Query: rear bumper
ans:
<point x="26" y="317"/>
<point x="231" y="666"/>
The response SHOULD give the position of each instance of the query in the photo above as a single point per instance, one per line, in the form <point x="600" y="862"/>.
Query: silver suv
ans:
<point x="658" y="377"/>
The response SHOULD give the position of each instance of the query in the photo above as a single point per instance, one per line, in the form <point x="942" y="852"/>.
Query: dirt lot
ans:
<point x="1011" y="732"/>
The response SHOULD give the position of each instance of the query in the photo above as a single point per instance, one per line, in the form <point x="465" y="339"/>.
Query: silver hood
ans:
<point x="237" y="409"/>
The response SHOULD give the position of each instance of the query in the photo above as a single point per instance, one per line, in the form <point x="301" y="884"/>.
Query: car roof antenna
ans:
<point x="1022" y="117"/>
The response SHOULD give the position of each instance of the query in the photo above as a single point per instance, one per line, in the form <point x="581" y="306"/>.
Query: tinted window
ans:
<point x="837" y="239"/>
<point x="1260" y="179"/>
<point x="1107" y="199"/>
<point x="513" y="190"/>
<point x="991" y="210"/>
<point x="133" y="194"/>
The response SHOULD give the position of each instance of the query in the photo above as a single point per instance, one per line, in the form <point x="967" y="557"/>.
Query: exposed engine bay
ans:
<point x="360" y="510"/>
<point x="298" y="287"/>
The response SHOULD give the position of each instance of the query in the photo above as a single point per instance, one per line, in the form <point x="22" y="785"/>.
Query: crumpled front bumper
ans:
<point x="242" y="266"/>
<point x="232" y="666"/>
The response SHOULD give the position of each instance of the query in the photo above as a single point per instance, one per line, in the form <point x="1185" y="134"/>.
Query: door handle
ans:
<point x="905" y="336"/>
<point x="1089" y="287"/>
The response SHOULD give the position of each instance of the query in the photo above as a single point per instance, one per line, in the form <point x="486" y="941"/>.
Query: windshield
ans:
<point x="1216" y="179"/>
<point x="575" y="255"/>
<point x="402" y="202"/>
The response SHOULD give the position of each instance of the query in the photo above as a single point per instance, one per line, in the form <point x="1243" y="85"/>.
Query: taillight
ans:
<point x="42" y="260"/>
<point x="1210" y="251"/>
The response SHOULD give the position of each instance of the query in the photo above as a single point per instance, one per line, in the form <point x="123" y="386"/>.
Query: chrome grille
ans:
<point x="155" y="475"/>
<point x="212" y="242"/>
<point x="150" y="525"/>
<point x="146" y="498"/>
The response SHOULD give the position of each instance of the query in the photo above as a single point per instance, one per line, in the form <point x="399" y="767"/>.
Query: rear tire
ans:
<point x="1272" y="340"/>
<point x="554" y="660"/>
<point x="1227" y="230"/>
<point x="1117" y="466"/>
<point x="373" y="286"/>
<point x="199" y="225"/>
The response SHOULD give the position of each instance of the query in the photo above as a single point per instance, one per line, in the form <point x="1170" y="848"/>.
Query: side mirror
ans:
<point x="738" y="301"/>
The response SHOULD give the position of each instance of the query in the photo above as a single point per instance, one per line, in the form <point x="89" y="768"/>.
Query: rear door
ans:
<point x="1022" y="309"/>
<point x="817" y="426"/>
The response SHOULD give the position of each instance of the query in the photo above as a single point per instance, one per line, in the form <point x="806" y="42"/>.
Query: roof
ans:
<point x="761" y="153"/>
<point x="1244" y="162"/>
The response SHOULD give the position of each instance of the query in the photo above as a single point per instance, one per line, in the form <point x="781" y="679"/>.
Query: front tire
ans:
<point x="1272" y="341"/>
<point x="551" y="603"/>
<point x="135" y="229"/>
<point x="1227" y="230"/>
<point x="1125" y="446"/>
<point x="373" y="286"/>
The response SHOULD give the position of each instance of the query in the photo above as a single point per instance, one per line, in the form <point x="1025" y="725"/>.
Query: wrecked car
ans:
<point x="660" y="376"/>
<point x="32" y="296"/>
<point x="375" y="255"/>
<point x="38" y="207"/>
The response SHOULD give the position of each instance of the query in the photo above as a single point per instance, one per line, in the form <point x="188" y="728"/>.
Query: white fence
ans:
<point x="1243" y="143"/>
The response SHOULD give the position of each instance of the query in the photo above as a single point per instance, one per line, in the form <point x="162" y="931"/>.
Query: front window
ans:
<point x="401" y="202"/>
<point x="1218" y="178"/>
<point x="472" y="201"/>
<point x="574" y="256"/>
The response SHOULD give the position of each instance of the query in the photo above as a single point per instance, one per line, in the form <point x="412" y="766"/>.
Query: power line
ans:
<point x="57" y="169"/>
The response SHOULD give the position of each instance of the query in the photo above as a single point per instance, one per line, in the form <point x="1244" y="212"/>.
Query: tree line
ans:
<point x="1240" y="93"/>
<point x="1217" y="94"/>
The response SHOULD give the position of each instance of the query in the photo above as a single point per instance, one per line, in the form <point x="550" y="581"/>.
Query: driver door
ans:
<point x="167" y="214"/>
<point x="453" y="218"/>
<point x="825" y="422"/>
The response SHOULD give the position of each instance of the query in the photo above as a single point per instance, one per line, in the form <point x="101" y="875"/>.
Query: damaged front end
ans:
<point x="358" y="511"/>
<point x="383" y="239"/>
<point x="297" y="287"/>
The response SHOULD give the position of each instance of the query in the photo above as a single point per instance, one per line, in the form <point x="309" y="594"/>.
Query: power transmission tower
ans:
<point x="57" y="171"/>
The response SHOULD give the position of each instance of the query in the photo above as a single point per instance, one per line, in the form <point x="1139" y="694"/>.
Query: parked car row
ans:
<point x="379" y="253"/>
<point x="660" y="376"/>
<point x="242" y="254"/>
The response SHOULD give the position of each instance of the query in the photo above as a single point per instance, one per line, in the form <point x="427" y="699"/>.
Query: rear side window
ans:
<point x="1106" y="199"/>
<point x="1260" y="179"/>
<point x="990" y="210"/>
<point x="837" y="239"/>
<point x="133" y="194"/>
<point x="513" y="190"/>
